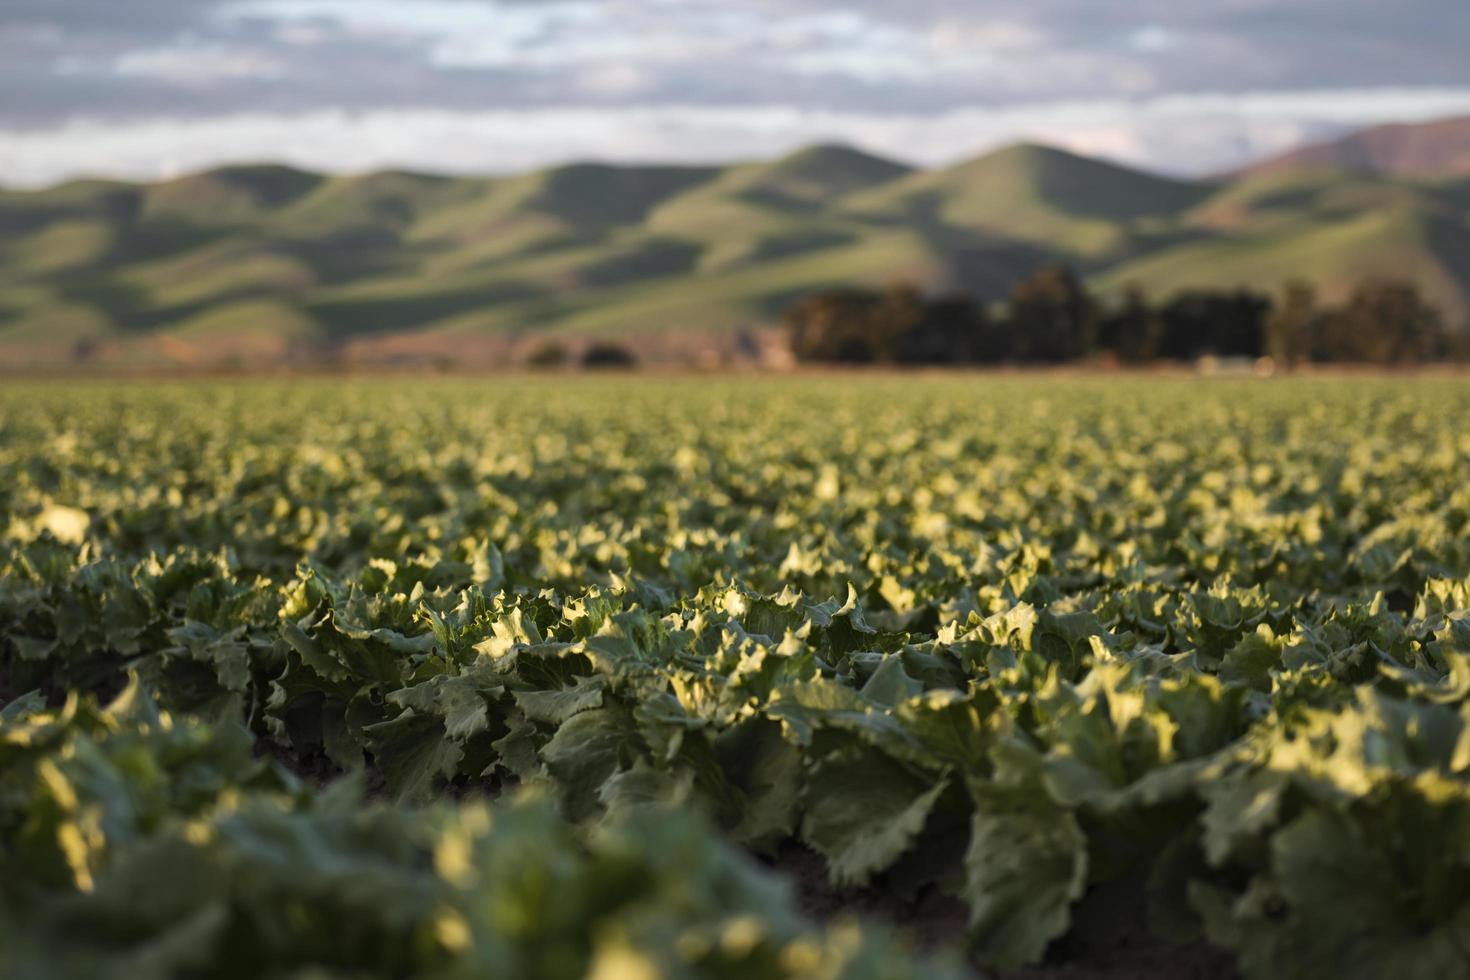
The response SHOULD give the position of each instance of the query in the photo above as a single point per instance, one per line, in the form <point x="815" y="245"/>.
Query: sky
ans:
<point x="153" y="88"/>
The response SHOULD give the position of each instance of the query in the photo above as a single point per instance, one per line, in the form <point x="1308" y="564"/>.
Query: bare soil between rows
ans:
<point x="936" y="922"/>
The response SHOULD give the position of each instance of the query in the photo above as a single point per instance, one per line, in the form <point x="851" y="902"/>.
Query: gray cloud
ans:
<point x="101" y="63"/>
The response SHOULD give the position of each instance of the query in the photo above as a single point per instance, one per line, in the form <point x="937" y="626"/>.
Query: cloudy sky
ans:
<point x="154" y="87"/>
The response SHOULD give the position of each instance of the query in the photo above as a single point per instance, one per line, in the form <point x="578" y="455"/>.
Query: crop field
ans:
<point x="673" y="678"/>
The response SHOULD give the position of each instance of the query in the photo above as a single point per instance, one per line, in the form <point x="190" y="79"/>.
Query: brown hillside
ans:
<point x="1434" y="149"/>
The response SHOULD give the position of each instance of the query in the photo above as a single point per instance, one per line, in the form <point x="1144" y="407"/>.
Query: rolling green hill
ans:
<point x="1331" y="228"/>
<point x="265" y="262"/>
<point x="1055" y="200"/>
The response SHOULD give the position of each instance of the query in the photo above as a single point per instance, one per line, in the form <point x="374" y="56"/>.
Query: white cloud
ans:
<point x="728" y="43"/>
<point x="1154" y="37"/>
<point x="459" y="33"/>
<point x="1189" y="133"/>
<point x="197" y="63"/>
<point x="421" y="18"/>
<point x="1000" y="34"/>
<point x="549" y="34"/>
<point x="624" y="80"/>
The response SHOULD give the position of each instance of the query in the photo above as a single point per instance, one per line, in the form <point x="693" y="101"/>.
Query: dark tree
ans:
<point x="1199" y="322"/>
<point x="84" y="349"/>
<point x="548" y="354"/>
<point x="1052" y="317"/>
<point x="606" y="354"/>
<point x="853" y="326"/>
<point x="1292" y="323"/>
<point x="953" y="330"/>
<point x="1131" y="332"/>
<point x="1386" y="321"/>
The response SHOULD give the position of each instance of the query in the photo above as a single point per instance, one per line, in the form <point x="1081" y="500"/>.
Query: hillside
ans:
<point x="1052" y="199"/>
<point x="1425" y="150"/>
<point x="265" y="263"/>
<point x="1331" y="228"/>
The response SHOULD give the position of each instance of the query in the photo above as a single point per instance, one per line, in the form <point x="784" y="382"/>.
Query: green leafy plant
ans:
<point x="447" y="679"/>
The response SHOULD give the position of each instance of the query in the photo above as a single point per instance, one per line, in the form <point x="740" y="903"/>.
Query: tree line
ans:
<point x="1051" y="317"/>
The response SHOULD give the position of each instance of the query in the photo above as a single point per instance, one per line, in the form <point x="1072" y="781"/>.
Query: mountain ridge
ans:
<point x="258" y="260"/>
<point x="1436" y="149"/>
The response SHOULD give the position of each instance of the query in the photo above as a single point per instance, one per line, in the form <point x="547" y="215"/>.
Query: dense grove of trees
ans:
<point x="1051" y="317"/>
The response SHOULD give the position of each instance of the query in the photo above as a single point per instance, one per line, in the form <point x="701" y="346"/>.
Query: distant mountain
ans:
<point x="267" y="263"/>
<point x="1424" y="150"/>
<point x="1048" y="197"/>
